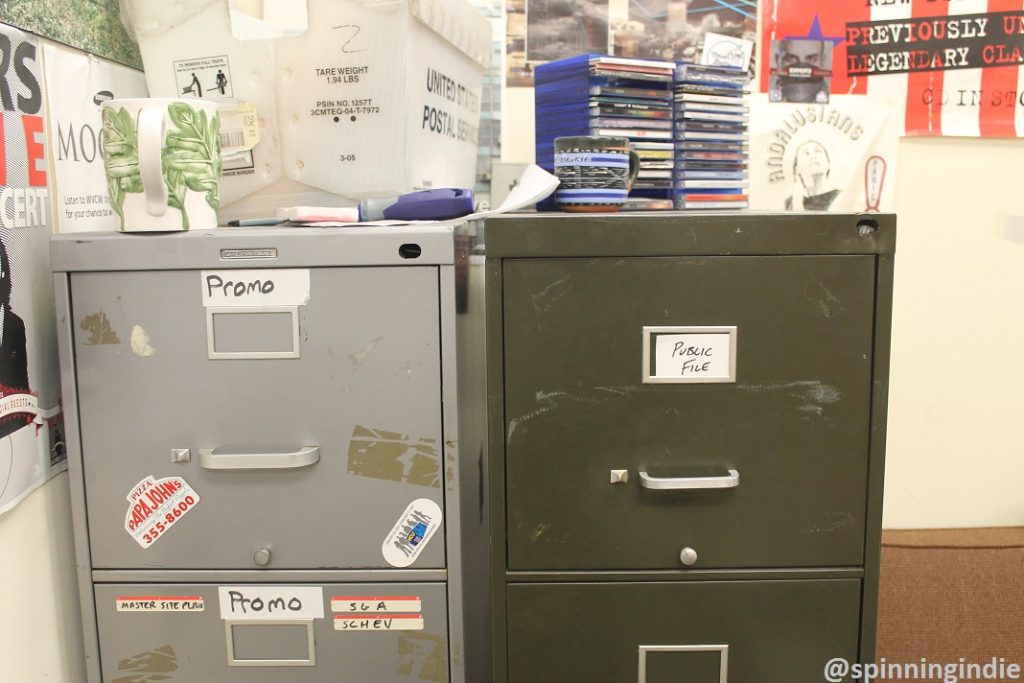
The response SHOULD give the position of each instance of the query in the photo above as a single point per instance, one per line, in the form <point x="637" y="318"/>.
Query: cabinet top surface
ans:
<point x="669" y="233"/>
<point x="278" y="247"/>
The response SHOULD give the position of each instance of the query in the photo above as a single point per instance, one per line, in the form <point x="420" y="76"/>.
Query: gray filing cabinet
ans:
<point x="685" y="448"/>
<point x="263" y="452"/>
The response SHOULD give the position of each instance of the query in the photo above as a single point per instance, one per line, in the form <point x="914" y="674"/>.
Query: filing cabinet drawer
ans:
<point x="778" y="453"/>
<point x="697" y="631"/>
<point x="290" y="461"/>
<point x="384" y="632"/>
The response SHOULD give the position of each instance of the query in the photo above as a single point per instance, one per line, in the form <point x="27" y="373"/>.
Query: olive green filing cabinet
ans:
<point x="685" y="450"/>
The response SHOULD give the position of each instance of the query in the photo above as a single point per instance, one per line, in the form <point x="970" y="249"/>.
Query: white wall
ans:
<point x="40" y="626"/>
<point x="955" y="442"/>
<point x="956" y="413"/>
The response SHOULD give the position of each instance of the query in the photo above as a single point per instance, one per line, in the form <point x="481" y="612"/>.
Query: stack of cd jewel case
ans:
<point x="600" y="95"/>
<point x="711" y="122"/>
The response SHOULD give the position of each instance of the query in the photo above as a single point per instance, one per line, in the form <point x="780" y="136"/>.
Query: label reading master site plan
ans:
<point x="160" y="603"/>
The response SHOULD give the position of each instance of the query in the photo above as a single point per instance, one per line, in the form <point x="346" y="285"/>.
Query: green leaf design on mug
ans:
<point x="191" y="157"/>
<point x="120" y="157"/>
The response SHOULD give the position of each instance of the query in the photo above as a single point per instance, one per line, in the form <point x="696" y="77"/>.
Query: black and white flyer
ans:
<point x="31" y="426"/>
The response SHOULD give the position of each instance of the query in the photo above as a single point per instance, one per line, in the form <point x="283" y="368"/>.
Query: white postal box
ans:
<point x="370" y="99"/>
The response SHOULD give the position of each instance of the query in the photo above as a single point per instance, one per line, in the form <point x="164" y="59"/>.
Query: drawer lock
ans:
<point x="262" y="557"/>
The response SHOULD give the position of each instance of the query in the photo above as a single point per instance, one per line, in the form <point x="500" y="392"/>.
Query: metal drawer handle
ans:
<point x="729" y="481"/>
<point x="210" y="459"/>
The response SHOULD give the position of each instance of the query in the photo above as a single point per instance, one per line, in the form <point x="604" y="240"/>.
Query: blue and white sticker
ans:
<point x="411" y="533"/>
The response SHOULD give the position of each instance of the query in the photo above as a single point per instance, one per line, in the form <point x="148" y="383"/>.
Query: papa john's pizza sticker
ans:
<point x="411" y="534"/>
<point x="155" y="505"/>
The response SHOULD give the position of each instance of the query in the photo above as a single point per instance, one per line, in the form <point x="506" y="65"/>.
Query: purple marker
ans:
<point x="425" y="205"/>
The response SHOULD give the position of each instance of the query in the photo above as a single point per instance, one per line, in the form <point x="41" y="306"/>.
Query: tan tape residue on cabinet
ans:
<point x="422" y="656"/>
<point x="392" y="456"/>
<point x="99" y="329"/>
<point x="159" y="662"/>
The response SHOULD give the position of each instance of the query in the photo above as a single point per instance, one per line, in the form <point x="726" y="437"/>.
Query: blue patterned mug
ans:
<point x="595" y="172"/>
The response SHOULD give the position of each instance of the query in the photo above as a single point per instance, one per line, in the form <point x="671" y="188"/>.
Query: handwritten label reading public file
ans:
<point x="693" y="356"/>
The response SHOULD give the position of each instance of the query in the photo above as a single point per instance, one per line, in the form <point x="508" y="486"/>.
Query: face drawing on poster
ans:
<point x="801" y="71"/>
<point x="812" y="188"/>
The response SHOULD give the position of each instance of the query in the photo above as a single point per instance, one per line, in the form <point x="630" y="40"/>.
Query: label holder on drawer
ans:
<point x="229" y="637"/>
<point x="212" y="312"/>
<point x="689" y="354"/>
<point x="723" y="650"/>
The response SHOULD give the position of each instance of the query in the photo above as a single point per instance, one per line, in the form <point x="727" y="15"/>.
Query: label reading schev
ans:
<point x="357" y="622"/>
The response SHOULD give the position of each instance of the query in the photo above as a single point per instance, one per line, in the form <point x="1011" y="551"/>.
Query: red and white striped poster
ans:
<point x="958" y="65"/>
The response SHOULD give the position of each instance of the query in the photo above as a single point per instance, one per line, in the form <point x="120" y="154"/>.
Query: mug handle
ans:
<point x="151" y="141"/>
<point x="634" y="168"/>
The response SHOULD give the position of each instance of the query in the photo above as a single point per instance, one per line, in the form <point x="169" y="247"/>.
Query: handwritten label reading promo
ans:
<point x="264" y="287"/>
<point x="693" y="356"/>
<point x="263" y="603"/>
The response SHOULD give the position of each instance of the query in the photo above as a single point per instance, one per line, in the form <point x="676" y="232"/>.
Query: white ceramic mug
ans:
<point x="163" y="163"/>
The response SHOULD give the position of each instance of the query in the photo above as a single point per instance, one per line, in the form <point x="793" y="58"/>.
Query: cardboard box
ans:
<point x="363" y="99"/>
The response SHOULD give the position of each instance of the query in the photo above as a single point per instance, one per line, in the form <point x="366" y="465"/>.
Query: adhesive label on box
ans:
<point x="156" y="505"/>
<point x="271" y="603"/>
<point x="375" y="605"/>
<point x="410" y="535"/>
<point x="362" y="622"/>
<point x="160" y="603"/>
<point x="239" y="128"/>
<point x="204" y="78"/>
